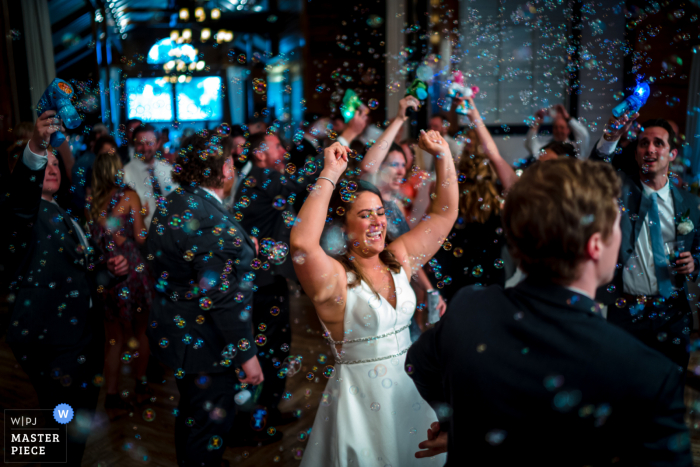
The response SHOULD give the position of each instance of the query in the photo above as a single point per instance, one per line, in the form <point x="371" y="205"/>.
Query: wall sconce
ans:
<point x="187" y="34"/>
<point x="206" y="34"/>
<point x="184" y="14"/>
<point x="199" y="14"/>
<point x="215" y="13"/>
<point x="174" y="35"/>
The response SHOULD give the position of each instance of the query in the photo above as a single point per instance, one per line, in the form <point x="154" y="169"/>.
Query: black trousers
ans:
<point x="205" y="415"/>
<point x="663" y="326"/>
<point x="58" y="376"/>
<point x="277" y="332"/>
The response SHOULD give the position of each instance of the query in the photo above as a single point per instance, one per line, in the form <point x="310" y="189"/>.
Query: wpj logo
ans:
<point x="37" y="435"/>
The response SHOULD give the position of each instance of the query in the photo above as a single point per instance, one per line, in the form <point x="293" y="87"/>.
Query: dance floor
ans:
<point x="128" y="439"/>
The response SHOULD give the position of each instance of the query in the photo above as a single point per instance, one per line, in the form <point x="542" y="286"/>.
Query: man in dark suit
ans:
<point x="55" y="274"/>
<point x="533" y="374"/>
<point x="265" y="200"/>
<point x="200" y="320"/>
<point x="646" y="297"/>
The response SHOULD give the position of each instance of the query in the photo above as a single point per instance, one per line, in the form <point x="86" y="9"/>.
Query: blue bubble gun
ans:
<point x="633" y="102"/>
<point x="57" y="97"/>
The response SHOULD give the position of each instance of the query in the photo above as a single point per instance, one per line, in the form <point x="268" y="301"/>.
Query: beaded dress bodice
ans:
<point x="373" y="329"/>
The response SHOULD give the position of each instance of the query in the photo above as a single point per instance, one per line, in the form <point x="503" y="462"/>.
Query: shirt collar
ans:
<point x="579" y="291"/>
<point x="213" y="194"/>
<point x="661" y="193"/>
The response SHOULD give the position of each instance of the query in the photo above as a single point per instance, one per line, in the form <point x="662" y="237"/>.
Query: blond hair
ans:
<point x="106" y="170"/>
<point x="479" y="197"/>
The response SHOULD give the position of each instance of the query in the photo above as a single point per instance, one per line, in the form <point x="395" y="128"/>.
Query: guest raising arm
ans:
<point x="377" y="153"/>
<point x="505" y="172"/>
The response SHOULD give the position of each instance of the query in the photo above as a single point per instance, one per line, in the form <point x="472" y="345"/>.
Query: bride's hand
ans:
<point x="335" y="161"/>
<point x="435" y="444"/>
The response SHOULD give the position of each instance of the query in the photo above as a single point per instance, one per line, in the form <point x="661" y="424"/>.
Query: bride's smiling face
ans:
<point x="365" y="225"/>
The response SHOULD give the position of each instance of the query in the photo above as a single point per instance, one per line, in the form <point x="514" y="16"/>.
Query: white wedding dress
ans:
<point x="371" y="414"/>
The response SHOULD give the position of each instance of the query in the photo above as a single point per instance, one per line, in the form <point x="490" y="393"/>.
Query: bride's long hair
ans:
<point x="338" y="208"/>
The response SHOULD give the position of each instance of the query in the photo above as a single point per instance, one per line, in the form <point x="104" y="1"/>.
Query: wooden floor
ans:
<point x="130" y="440"/>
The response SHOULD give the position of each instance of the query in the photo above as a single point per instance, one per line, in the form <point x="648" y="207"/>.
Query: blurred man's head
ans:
<point x="257" y="125"/>
<point x="131" y="126"/>
<point x="267" y="151"/>
<point x="562" y="221"/>
<point x="145" y="143"/>
<point x="52" y="178"/>
<point x="556" y="149"/>
<point x="560" y="129"/>
<point x="656" y="147"/>
<point x="439" y="123"/>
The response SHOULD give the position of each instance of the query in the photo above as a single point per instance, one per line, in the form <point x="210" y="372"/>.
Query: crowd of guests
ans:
<point x="189" y="256"/>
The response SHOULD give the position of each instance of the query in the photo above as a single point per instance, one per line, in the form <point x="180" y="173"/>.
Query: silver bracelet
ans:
<point x="326" y="178"/>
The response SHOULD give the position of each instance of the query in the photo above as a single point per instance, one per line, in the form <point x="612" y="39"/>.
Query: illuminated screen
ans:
<point x="200" y="99"/>
<point x="149" y="99"/>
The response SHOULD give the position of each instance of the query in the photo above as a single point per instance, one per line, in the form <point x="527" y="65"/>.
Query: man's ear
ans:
<point x="258" y="155"/>
<point x="594" y="246"/>
<point x="672" y="154"/>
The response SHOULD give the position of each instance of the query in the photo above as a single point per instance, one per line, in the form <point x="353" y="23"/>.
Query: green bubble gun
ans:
<point x="351" y="103"/>
<point x="418" y="89"/>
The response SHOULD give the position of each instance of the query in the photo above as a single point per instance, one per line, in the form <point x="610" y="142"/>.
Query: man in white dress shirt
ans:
<point x="149" y="176"/>
<point x="648" y="296"/>
<point x="562" y="126"/>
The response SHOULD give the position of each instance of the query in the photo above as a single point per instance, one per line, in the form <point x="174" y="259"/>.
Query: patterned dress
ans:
<point x="122" y="301"/>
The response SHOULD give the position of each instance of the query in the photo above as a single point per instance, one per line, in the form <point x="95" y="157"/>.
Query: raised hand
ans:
<point x="472" y="112"/>
<point x="359" y="121"/>
<point x="433" y="143"/>
<point x="335" y="159"/>
<point x="46" y="125"/>
<point x="539" y="115"/>
<point x="616" y="127"/>
<point x="406" y="103"/>
<point x="561" y="110"/>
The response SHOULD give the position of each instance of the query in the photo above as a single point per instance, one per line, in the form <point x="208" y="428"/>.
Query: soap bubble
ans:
<point x="259" y="86"/>
<point x="149" y="415"/>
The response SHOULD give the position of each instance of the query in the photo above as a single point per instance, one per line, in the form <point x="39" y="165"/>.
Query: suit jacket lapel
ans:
<point x="75" y="250"/>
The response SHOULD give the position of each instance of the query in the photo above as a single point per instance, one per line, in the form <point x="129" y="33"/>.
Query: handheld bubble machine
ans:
<point x="351" y="103"/>
<point x="633" y="102"/>
<point x="457" y="88"/>
<point x="57" y="97"/>
<point x="418" y="89"/>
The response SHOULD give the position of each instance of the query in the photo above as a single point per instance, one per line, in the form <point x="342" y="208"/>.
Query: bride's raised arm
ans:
<point x="322" y="277"/>
<point x="417" y="246"/>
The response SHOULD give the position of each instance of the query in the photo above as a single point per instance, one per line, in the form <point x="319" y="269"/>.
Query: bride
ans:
<point x="370" y="412"/>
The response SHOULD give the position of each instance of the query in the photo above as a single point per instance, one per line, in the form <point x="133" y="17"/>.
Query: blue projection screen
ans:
<point x="149" y="99"/>
<point x="200" y="99"/>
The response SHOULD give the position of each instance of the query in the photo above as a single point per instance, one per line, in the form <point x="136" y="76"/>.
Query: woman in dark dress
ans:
<point x="472" y="252"/>
<point x="117" y="226"/>
<point x="477" y="237"/>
